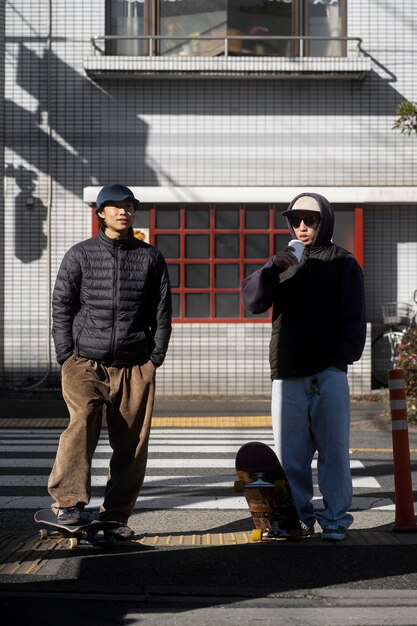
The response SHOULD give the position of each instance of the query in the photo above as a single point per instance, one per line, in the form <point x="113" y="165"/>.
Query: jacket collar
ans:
<point x="113" y="243"/>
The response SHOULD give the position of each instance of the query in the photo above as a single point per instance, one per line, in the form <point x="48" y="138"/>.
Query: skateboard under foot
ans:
<point x="84" y="533"/>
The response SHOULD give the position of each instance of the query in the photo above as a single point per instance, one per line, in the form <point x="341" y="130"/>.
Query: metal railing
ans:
<point x="152" y="43"/>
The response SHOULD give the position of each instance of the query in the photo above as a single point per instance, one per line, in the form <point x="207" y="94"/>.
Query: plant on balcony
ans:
<point x="406" y="121"/>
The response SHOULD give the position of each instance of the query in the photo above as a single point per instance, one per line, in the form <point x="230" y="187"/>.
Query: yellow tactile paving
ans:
<point x="244" y="421"/>
<point x="20" y="555"/>
<point x="195" y="539"/>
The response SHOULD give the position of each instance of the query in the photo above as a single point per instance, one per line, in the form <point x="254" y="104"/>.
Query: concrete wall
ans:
<point x="65" y="132"/>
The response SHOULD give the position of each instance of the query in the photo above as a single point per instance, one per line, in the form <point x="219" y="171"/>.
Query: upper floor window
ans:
<point x="204" y="23"/>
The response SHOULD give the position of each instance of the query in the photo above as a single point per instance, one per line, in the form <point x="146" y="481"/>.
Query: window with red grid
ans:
<point x="209" y="249"/>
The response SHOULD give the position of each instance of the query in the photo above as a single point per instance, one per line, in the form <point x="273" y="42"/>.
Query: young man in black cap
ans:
<point x="111" y="328"/>
<point x="318" y="329"/>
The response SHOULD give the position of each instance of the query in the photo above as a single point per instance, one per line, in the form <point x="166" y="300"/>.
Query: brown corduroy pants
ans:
<point x="128" y="395"/>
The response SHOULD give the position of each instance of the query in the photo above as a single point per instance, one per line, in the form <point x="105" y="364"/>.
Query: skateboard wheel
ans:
<point x="43" y="533"/>
<point x="239" y="486"/>
<point x="72" y="543"/>
<point x="257" y="534"/>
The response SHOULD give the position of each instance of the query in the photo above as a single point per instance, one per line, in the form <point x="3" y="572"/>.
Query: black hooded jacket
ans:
<point x="112" y="302"/>
<point x="318" y="318"/>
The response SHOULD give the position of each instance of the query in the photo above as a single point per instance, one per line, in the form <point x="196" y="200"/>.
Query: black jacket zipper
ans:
<point x="115" y="295"/>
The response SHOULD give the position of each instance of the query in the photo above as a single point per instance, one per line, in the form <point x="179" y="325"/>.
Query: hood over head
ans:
<point x="314" y="202"/>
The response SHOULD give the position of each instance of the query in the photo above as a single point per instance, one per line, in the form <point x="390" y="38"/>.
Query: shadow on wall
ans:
<point x="30" y="215"/>
<point x="76" y="132"/>
<point x="97" y="137"/>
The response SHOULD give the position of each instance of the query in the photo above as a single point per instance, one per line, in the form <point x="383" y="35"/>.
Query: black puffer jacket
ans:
<point x="318" y="318"/>
<point x="112" y="302"/>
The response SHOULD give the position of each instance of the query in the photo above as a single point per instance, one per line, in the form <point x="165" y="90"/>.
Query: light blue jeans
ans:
<point x="304" y="422"/>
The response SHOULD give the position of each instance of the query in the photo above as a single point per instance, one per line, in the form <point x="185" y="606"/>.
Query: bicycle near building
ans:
<point x="397" y="317"/>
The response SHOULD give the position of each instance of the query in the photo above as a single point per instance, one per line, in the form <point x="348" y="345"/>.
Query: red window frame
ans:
<point x="182" y="260"/>
<point x="212" y="260"/>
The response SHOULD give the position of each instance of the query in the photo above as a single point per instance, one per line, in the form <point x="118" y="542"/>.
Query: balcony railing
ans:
<point x="231" y="44"/>
<point x="227" y="55"/>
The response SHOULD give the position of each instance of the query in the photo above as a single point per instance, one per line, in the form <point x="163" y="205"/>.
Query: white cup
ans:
<point x="298" y="248"/>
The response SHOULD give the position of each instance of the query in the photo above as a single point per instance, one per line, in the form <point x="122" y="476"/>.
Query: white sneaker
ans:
<point x="124" y="531"/>
<point x="70" y="516"/>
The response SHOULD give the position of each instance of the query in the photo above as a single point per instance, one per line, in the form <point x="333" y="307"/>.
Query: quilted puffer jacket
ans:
<point x="318" y="317"/>
<point x="112" y="302"/>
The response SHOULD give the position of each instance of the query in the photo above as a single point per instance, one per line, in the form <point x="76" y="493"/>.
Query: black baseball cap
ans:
<point x="115" y="193"/>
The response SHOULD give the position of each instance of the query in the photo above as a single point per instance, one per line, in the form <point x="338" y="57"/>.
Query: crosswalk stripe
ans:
<point x="164" y="482"/>
<point x="187" y="451"/>
<point x="166" y="447"/>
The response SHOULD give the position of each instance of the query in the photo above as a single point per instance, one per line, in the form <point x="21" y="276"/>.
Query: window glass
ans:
<point x="280" y="221"/>
<point x="344" y="230"/>
<point x="197" y="305"/>
<point x="197" y="246"/>
<point x="325" y="20"/>
<point x="252" y="267"/>
<point x="226" y="275"/>
<point x="174" y="274"/>
<point x="197" y="218"/>
<point x="281" y="242"/>
<point x="176" y="305"/>
<point x="227" y="246"/>
<point x="169" y="245"/>
<point x="251" y="17"/>
<point x="125" y="18"/>
<point x="256" y="218"/>
<point x="167" y="218"/>
<point x="141" y="219"/>
<point x="227" y="305"/>
<point x="192" y="17"/>
<point x="181" y="23"/>
<point x="197" y="275"/>
<point x="227" y="218"/>
<point x="256" y="246"/>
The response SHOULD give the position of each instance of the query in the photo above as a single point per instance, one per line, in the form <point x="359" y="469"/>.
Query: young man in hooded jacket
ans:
<point x="111" y="328"/>
<point x="318" y="329"/>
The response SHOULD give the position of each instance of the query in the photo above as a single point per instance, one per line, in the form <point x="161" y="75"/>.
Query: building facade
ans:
<point x="216" y="113"/>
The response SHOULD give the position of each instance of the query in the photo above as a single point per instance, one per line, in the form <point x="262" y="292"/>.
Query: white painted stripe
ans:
<point x="205" y="463"/>
<point x="203" y="448"/>
<point x="155" y="432"/>
<point x="396" y="383"/>
<point x="386" y="507"/>
<point x="365" y="482"/>
<point x="398" y="405"/>
<point x="144" y="502"/>
<point x="152" y="463"/>
<point x="157" y="438"/>
<point x="166" y="482"/>
<point x="188" y="481"/>
<point x="237" y="503"/>
<point x="399" y="425"/>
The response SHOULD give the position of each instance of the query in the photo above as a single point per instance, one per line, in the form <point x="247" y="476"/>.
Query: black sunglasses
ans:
<point x="310" y="219"/>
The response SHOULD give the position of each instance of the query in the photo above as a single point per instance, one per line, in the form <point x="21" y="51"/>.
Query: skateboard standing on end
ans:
<point x="265" y="487"/>
<point x="85" y="532"/>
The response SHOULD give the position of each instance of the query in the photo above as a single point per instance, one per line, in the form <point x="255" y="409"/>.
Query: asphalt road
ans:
<point x="371" y="578"/>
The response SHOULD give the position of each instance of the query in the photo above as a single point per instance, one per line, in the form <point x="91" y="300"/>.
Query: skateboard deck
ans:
<point x="85" y="532"/>
<point x="265" y="487"/>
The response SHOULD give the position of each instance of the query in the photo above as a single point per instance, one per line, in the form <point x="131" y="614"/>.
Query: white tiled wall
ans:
<point x="64" y="132"/>
<point x="231" y="359"/>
